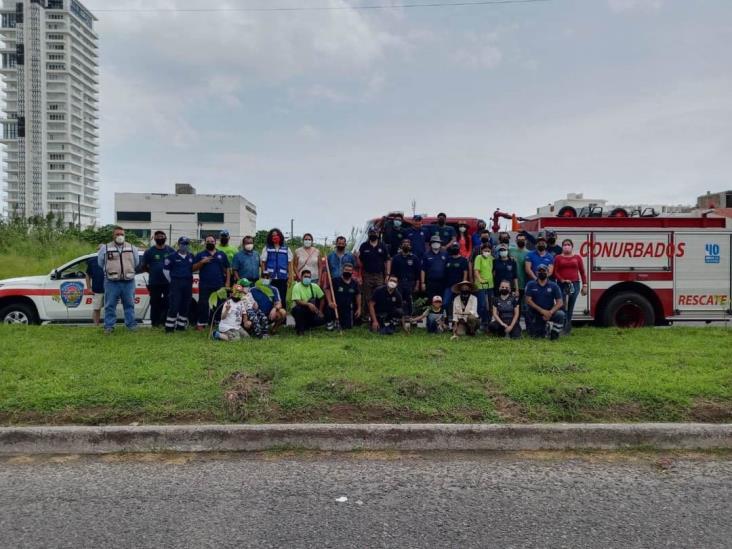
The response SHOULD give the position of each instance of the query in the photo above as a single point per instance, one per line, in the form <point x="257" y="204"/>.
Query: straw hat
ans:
<point x="464" y="284"/>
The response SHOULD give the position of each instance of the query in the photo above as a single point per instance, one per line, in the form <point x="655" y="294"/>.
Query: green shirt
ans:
<point x="520" y="256"/>
<point x="300" y="292"/>
<point x="229" y="250"/>
<point x="484" y="266"/>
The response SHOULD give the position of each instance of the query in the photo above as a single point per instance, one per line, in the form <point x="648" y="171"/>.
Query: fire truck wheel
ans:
<point x="18" y="313"/>
<point x="619" y="212"/>
<point x="567" y="211"/>
<point x="628" y="310"/>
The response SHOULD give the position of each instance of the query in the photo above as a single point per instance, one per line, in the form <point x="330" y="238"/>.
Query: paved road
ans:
<point x="393" y="501"/>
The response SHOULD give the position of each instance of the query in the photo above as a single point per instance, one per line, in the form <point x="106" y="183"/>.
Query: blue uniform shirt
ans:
<point x="505" y="270"/>
<point x="543" y="296"/>
<point x="535" y="259"/>
<point x="419" y="239"/>
<point x="446" y="233"/>
<point x="455" y="270"/>
<point x="212" y="274"/>
<point x="96" y="274"/>
<point x="433" y="265"/>
<point x="246" y="264"/>
<point x="179" y="266"/>
<point x="373" y="258"/>
<point x="336" y="262"/>
<point x="265" y="303"/>
<point x="154" y="259"/>
<point x="407" y="268"/>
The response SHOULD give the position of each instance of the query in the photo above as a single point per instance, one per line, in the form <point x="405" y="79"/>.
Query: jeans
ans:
<point x="435" y="324"/>
<point x="447" y="298"/>
<point x="305" y="319"/>
<point x="498" y="330"/>
<point x="158" y="303"/>
<point x="281" y="285"/>
<point x="569" y="301"/>
<point x="484" y="305"/>
<point x="114" y="291"/>
<point x="536" y="325"/>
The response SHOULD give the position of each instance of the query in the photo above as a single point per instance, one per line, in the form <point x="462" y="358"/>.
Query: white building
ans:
<point x="185" y="213"/>
<point x="49" y="124"/>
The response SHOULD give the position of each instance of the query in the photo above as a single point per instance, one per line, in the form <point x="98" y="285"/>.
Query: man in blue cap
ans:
<point x="419" y="236"/>
<point x="225" y="247"/>
<point x="178" y="269"/>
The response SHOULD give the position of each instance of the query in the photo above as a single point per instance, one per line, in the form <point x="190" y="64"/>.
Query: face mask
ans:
<point x="567" y="249"/>
<point x="486" y="253"/>
<point x="552" y="241"/>
<point x="454" y="250"/>
<point x="307" y="243"/>
<point x="183" y="249"/>
<point x="340" y="248"/>
<point x="464" y="293"/>
<point x="119" y="239"/>
<point x="224" y="241"/>
<point x="347" y="276"/>
<point x="307" y="280"/>
<point x="392" y="285"/>
<point x="435" y="246"/>
<point x="236" y="299"/>
<point x="249" y="247"/>
<point x="406" y="249"/>
<point x="160" y="241"/>
<point x="503" y="253"/>
<point x="542" y="275"/>
<point x="373" y="237"/>
<point x="397" y="223"/>
<point x="485" y="239"/>
<point x="266" y="282"/>
<point x="541" y="247"/>
<point x="463" y="229"/>
<point x="504" y="240"/>
<point x="521" y="243"/>
<point x="210" y="247"/>
<point x="441" y="222"/>
<point x="504" y="291"/>
<point x="276" y="240"/>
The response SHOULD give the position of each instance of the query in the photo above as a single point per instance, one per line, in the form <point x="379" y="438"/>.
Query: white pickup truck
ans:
<point x="63" y="297"/>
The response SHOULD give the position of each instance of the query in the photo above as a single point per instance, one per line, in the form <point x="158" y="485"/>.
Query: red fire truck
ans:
<point x="649" y="270"/>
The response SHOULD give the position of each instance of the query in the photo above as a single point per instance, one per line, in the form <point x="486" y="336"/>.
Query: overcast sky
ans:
<point x="332" y="117"/>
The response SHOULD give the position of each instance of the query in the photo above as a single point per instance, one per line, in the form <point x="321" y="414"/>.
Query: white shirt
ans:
<point x="462" y="313"/>
<point x="234" y="312"/>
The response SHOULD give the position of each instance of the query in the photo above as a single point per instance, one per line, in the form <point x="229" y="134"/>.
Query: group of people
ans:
<point x="471" y="282"/>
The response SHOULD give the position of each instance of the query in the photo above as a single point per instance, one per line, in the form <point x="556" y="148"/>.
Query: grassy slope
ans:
<point x="58" y="374"/>
<point x="18" y="260"/>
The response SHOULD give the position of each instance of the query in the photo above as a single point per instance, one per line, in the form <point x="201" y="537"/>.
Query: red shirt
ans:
<point x="569" y="268"/>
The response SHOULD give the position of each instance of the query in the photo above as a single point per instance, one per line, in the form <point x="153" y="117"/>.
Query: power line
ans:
<point x="320" y="8"/>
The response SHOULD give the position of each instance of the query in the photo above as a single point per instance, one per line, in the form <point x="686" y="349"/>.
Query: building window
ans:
<point x="208" y="232"/>
<point x="210" y="217"/>
<point x="140" y="233"/>
<point x="55" y="156"/>
<point x="10" y="131"/>
<point x="8" y="20"/>
<point x="55" y="4"/>
<point x="133" y="216"/>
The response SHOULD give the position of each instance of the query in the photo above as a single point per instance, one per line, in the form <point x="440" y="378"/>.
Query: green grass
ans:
<point x="42" y="260"/>
<point x="77" y="375"/>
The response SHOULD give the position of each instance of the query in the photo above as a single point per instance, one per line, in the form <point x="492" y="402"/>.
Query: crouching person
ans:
<point x="309" y="304"/>
<point x="255" y="322"/>
<point x="232" y="315"/>
<point x="465" y="317"/>
<point x="545" y="316"/>
<point x="435" y="317"/>
<point x="270" y="302"/>
<point x="386" y="307"/>
<point x="506" y="313"/>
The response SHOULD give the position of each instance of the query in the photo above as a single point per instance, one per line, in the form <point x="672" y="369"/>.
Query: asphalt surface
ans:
<point x="441" y="500"/>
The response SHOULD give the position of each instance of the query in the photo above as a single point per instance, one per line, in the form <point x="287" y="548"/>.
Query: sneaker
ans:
<point x="266" y="336"/>
<point x="216" y="335"/>
<point x="108" y="331"/>
<point x="330" y="326"/>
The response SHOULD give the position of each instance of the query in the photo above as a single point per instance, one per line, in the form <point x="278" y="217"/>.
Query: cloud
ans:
<point x="480" y="51"/>
<point x="624" y="6"/>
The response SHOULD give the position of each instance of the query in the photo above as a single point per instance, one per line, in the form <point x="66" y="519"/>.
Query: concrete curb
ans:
<point x="344" y="438"/>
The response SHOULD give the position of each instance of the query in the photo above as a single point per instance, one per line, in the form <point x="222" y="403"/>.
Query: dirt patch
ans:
<point x="621" y="412"/>
<point x="409" y="388"/>
<point x="710" y="411"/>
<point x="246" y="395"/>
<point x="508" y="410"/>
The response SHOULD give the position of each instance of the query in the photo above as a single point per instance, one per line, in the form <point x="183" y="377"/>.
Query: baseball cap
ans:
<point x="437" y="299"/>
<point x="436" y="239"/>
<point x="542" y="267"/>
<point x="244" y="282"/>
<point x="417" y="218"/>
<point x="224" y="233"/>
<point x="184" y="240"/>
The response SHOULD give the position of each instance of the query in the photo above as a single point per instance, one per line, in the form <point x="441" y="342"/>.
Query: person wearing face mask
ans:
<point x="540" y="256"/>
<point x="464" y="240"/>
<point x="307" y="257"/>
<point x="270" y="302"/>
<point x="375" y="264"/>
<point x="457" y="269"/>
<point x="157" y="285"/>
<point x="478" y="234"/>
<point x="447" y="233"/>
<point x="569" y="269"/>
<point x="395" y="232"/>
<point x="464" y="310"/>
<point x="505" y="268"/>
<point x="308" y="304"/>
<point x="506" y="313"/>
<point x="551" y="243"/>
<point x="483" y="274"/>
<point x="338" y="258"/>
<point x="435" y="317"/>
<point x="345" y="298"/>
<point x="119" y="260"/>
<point x="277" y="260"/>
<point x="407" y="268"/>
<point x="483" y="238"/>
<point x="386" y="307"/>
<point x="255" y="322"/>
<point x="225" y="247"/>
<point x="246" y="261"/>
<point x="232" y="317"/>
<point x="213" y="274"/>
<point x="419" y="236"/>
<point x="178" y="269"/>
<point x="545" y="315"/>
<point x="432" y="278"/>
<point x="519" y="254"/>
<point x="504" y="239"/>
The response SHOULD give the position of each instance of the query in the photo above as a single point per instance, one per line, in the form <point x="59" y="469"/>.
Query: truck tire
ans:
<point x="18" y="313"/>
<point x="567" y="211"/>
<point x="619" y="212"/>
<point x="628" y="310"/>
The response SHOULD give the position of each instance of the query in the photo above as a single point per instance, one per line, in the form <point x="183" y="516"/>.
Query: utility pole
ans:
<point x="292" y="228"/>
<point x="414" y="207"/>
<point x="78" y="205"/>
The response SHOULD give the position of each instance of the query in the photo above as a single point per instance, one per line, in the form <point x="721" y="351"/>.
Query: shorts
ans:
<point x="98" y="302"/>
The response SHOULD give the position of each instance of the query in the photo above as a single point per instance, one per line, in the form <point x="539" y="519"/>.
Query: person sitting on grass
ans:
<point x="386" y="307"/>
<point x="309" y="303"/>
<point x="232" y="315"/>
<point x="255" y="321"/>
<point x="435" y="316"/>
<point x="506" y="313"/>
<point x="465" y="318"/>
<point x="544" y="306"/>
<point x="270" y="302"/>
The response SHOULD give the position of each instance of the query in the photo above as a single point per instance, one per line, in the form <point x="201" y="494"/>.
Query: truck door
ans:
<point x="64" y="298"/>
<point x="702" y="275"/>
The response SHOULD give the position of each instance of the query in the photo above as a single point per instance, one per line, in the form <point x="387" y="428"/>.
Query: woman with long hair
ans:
<point x="277" y="261"/>
<point x="569" y="269"/>
<point x="465" y="241"/>
<point x="307" y="257"/>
